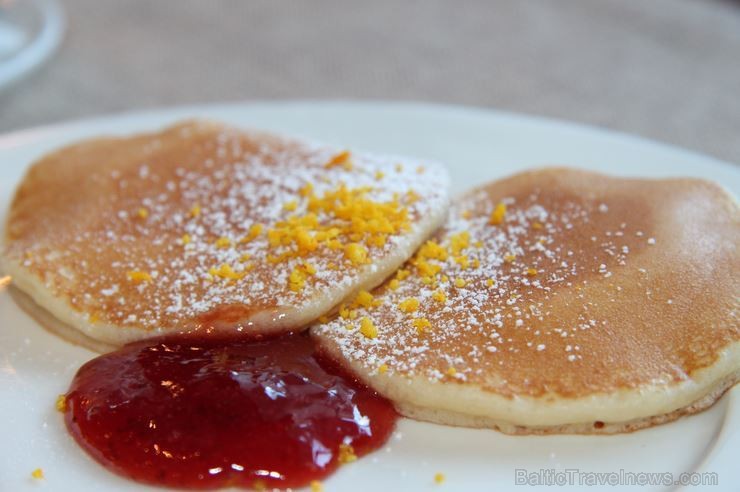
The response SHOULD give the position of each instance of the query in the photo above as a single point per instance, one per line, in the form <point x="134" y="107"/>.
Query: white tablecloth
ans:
<point x="665" y="69"/>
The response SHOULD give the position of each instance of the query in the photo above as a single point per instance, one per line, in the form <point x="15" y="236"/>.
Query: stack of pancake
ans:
<point x="552" y="301"/>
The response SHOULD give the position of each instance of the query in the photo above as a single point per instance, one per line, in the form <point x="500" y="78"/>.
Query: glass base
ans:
<point x="30" y="31"/>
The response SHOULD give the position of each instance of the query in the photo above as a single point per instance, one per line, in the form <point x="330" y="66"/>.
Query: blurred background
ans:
<point x="664" y="69"/>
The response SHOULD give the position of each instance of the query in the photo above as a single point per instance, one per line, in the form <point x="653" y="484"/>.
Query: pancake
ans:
<point x="207" y="227"/>
<point x="558" y="301"/>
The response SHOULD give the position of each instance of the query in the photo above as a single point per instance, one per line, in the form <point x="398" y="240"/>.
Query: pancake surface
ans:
<point x="203" y="226"/>
<point x="558" y="301"/>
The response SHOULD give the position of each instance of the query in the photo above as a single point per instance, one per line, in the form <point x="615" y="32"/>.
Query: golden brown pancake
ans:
<point x="558" y="301"/>
<point x="208" y="227"/>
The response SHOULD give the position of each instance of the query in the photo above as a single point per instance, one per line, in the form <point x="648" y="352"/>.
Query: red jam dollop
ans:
<point x="204" y="413"/>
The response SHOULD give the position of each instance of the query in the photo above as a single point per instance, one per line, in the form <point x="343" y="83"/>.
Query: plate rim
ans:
<point x="169" y="111"/>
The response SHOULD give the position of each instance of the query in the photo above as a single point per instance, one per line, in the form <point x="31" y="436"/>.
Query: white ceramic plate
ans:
<point x="478" y="146"/>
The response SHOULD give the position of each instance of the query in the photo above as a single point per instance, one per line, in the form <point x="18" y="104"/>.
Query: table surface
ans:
<point x="664" y="69"/>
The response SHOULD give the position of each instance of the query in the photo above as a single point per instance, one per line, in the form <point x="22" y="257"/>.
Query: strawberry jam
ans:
<point x="204" y="413"/>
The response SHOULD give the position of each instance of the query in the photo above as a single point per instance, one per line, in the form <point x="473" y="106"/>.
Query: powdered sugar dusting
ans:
<point x="186" y="226"/>
<point x="488" y="288"/>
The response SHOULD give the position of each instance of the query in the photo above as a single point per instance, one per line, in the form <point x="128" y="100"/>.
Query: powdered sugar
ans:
<point x="498" y="290"/>
<point x="173" y="240"/>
